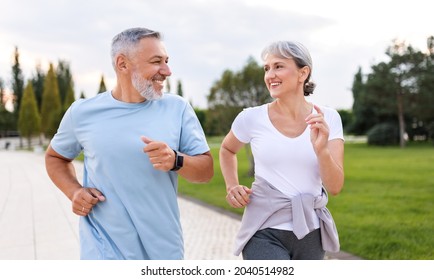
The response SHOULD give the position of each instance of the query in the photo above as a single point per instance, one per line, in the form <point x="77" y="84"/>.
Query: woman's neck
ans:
<point x="293" y="108"/>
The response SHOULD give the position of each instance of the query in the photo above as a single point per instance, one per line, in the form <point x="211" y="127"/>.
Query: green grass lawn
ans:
<point x="386" y="209"/>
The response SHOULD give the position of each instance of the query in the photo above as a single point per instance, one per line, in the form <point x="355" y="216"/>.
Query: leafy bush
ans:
<point x="383" y="134"/>
<point x="430" y="129"/>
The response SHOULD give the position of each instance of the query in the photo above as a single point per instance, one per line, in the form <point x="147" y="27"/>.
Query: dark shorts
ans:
<point x="276" y="244"/>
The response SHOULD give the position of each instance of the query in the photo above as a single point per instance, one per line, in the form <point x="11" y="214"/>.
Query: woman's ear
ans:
<point x="304" y="73"/>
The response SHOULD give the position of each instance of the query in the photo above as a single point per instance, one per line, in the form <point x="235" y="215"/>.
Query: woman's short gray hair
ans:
<point x="125" y="41"/>
<point x="296" y="51"/>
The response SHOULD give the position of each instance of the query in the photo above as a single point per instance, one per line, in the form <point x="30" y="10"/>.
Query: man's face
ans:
<point x="149" y="68"/>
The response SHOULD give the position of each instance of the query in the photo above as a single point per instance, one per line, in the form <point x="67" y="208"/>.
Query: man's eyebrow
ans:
<point x="159" y="57"/>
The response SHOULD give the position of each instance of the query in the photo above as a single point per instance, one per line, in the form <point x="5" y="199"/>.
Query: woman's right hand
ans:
<point x="238" y="196"/>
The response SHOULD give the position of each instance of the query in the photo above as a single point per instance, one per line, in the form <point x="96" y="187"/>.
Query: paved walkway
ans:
<point x="36" y="222"/>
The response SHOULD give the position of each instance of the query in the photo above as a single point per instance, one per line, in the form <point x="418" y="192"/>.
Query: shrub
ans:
<point x="383" y="134"/>
<point x="430" y="130"/>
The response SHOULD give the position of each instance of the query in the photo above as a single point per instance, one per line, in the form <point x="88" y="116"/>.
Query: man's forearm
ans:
<point x="198" y="169"/>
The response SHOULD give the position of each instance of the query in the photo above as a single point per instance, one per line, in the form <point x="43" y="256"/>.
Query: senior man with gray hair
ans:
<point x="136" y="140"/>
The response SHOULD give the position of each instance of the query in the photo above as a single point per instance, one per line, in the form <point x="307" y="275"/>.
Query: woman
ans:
<point x="298" y="150"/>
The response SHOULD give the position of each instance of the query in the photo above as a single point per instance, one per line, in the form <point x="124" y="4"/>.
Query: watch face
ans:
<point x="179" y="162"/>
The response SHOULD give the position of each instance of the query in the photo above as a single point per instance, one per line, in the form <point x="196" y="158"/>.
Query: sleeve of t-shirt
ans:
<point x="239" y="129"/>
<point x="193" y="140"/>
<point x="335" y="126"/>
<point x="65" y="141"/>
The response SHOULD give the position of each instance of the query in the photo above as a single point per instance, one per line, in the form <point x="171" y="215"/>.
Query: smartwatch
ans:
<point x="179" y="161"/>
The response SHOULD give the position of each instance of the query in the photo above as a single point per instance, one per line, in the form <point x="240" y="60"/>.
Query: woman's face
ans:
<point x="282" y="76"/>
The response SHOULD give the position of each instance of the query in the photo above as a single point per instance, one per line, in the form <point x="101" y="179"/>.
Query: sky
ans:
<point x="205" y="38"/>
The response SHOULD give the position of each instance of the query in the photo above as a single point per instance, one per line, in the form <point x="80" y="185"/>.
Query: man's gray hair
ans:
<point x="296" y="51"/>
<point x="125" y="41"/>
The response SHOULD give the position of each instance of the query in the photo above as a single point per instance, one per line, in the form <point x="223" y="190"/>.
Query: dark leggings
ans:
<point x="276" y="244"/>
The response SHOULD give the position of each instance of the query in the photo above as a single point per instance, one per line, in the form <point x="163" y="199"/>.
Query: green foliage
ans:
<point x="347" y="119"/>
<point x="383" y="134"/>
<point x="168" y="85"/>
<point x="102" y="87"/>
<point x="38" y="85"/>
<point x="7" y="120"/>
<point x="6" y="117"/>
<point x="69" y="99"/>
<point x="29" y="121"/>
<point x="233" y="92"/>
<point x="17" y="80"/>
<point x="385" y="209"/>
<point x="179" y="90"/>
<point x="219" y="119"/>
<point x="214" y="192"/>
<point x="51" y="111"/>
<point x="400" y="89"/>
<point x="430" y="130"/>
<point x="201" y="115"/>
<point x="64" y="79"/>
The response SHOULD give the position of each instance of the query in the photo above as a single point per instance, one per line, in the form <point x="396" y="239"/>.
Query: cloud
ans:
<point x="203" y="38"/>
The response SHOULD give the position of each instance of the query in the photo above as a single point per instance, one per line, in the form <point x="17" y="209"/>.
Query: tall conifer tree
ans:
<point x="102" y="87"/>
<point x="69" y="98"/>
<point x="51" y="111"/>
<point x="29" y="121"/>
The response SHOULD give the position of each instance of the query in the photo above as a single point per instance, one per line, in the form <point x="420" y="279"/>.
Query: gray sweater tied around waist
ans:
<point x="269" y="207"/>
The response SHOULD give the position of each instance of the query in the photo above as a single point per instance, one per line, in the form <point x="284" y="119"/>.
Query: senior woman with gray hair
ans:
<point x="298" y="150"/>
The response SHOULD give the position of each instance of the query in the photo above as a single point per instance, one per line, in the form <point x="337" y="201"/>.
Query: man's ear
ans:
<point x="121" y="63"/>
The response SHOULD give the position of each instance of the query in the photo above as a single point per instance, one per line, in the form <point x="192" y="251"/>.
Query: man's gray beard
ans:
<point x="145" y="88"/>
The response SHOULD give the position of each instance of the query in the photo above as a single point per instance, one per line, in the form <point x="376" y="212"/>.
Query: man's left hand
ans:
<point x="160" y="154"/>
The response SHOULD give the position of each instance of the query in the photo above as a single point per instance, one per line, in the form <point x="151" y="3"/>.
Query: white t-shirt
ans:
<point x="289" y="164"/>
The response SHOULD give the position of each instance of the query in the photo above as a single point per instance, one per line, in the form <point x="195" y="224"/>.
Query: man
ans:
<point x="135" y="141"/>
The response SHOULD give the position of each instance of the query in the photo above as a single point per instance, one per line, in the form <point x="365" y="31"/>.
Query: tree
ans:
<point x="51" y="106"/>
<point x="168" y="86"/>
<point x="179" y="90"/>
<point x="82" y="96"/>
<point x="347" y="118"/>
<point x="17" y="81"/>
<point x="29" y="121"/>
<point x="404" y="67"/>
<point x="201" y="116"/>
<point x="396" y="93"/>
<point x="38" y="85"/>
<point x="64" y="79"/>
<point x="69" y="99"/>
<point x="233" y="92"/>
<point x="17" y="87"/>
<point x="102" y="87"/>
<point x="6" y="121"/>
<point x="2" y="94"/>
<point x="359" y="125"/>
<point x="6" y="117"/>
<point x="423" y="112"/>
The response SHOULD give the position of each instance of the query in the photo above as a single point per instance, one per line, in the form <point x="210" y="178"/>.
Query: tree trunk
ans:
<point x="401" y="120"/>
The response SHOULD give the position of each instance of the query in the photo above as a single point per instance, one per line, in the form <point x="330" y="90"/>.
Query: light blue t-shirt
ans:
<point x="140" y="217"/>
